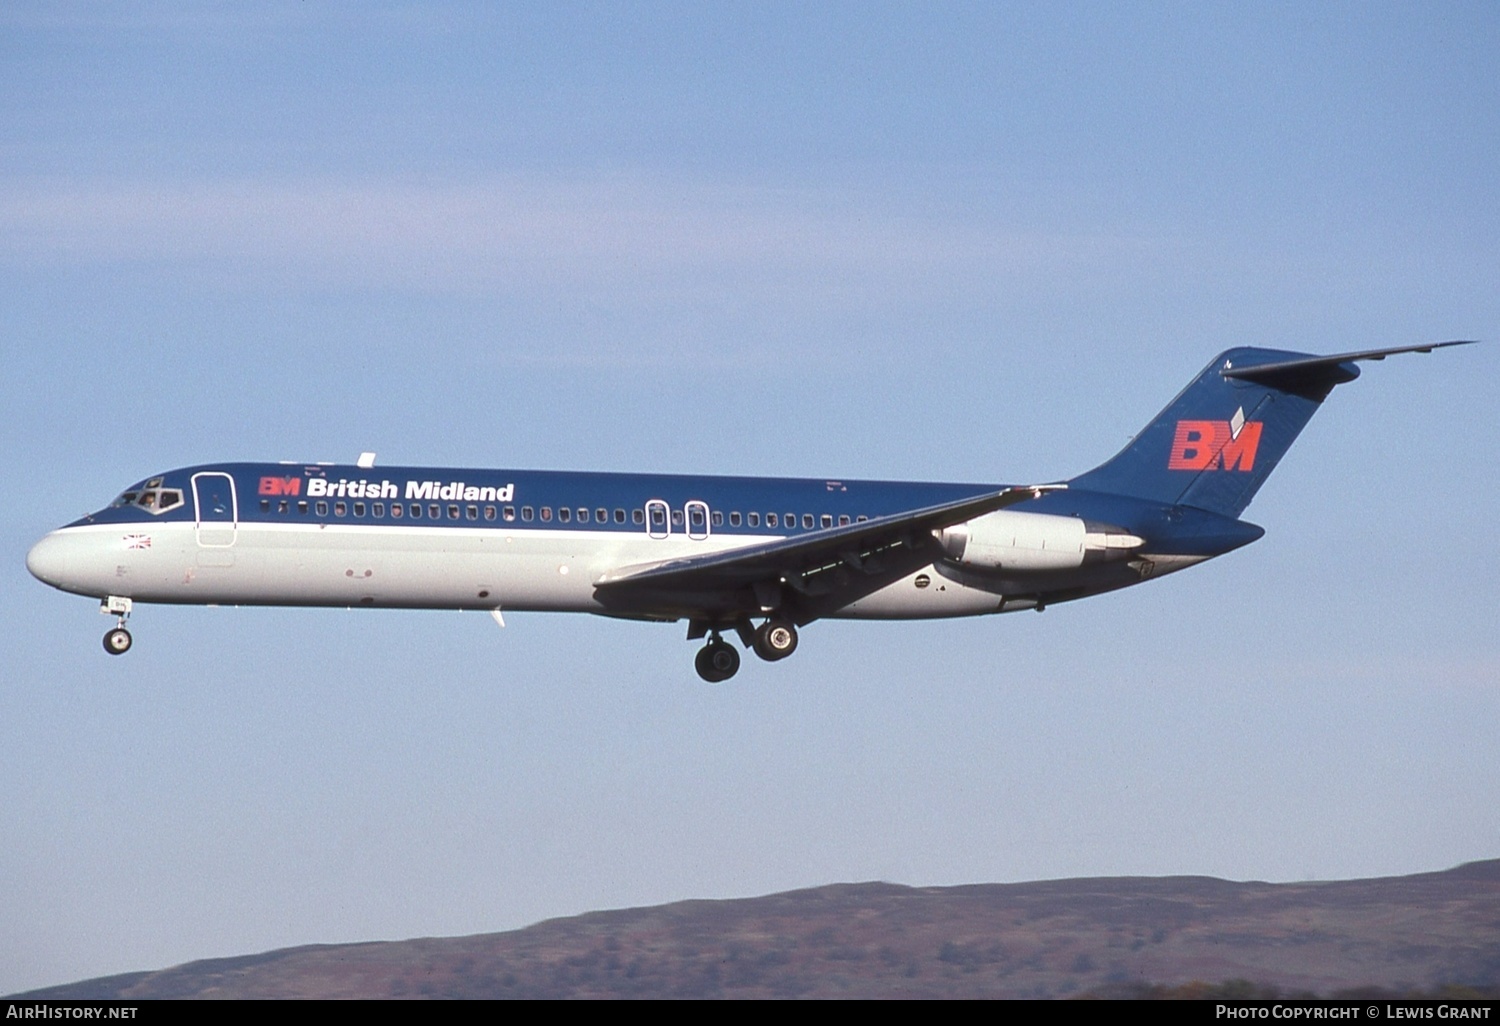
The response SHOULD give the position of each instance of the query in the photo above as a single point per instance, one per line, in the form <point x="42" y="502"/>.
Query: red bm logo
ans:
<point x="1215" y="444"/>
<point x="281" y="486"/>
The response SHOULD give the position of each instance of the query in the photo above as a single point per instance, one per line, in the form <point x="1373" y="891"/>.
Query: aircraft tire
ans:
<point x="716" y="662"/>
<point x="775" y="639"/>
<point x="117" y="641"/>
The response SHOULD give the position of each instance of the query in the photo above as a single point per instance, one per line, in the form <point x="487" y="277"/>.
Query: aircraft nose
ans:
<point x="53" y="559"/>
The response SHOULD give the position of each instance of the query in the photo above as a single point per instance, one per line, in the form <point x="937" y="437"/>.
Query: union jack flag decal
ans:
<point x="137" y="541"/>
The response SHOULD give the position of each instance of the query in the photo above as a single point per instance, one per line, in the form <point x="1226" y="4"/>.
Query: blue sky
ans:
<point x="971" y="242"/>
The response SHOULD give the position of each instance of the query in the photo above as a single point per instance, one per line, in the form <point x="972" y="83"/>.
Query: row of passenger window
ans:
<point x="453" y="511"/>
<point x="789" y="520"/>
<point x="528" y="514"/>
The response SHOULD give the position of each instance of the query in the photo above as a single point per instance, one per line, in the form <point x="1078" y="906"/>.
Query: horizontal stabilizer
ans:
<point x="1316" y="376"/>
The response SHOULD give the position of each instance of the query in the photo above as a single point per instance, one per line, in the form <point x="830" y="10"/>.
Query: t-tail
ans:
<point x="1218" y="441"/>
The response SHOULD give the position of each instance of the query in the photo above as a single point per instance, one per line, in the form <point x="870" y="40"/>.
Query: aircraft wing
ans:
<point x="812" y="564"/>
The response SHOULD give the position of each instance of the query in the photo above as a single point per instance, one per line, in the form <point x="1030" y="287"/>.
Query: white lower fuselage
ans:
<point x="440" y="567"/>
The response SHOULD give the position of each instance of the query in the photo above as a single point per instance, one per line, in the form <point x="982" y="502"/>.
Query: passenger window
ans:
<point x="734" y="518"/>
<point x="510" y="513"/>
<point x="753" y="519"/>
<point x="677" y="518"/>
<point x="377" y="508"/>
<point x="265" y="505"/>
<point x="807" y="521"/>
<point x="397" y="509"/>
<point x="416" y="510"/>
<point x="302" y="506"/>
<point x="790" y="521"/>
<point x="526" y="513"/>
<point x="826" y="520"/>
<point x="601" y="515"/>
<point x="619" y="515"/>
<point x="583" y="515"/>
<point x="453" y="512"/>
<point x="489" y="512"/>
<point x="861" y="519"/>
<point x="718" y="518"/>
<point x="434" y="511"/>
<point x="564" y="514"/>
<point x="638" y="516"/>
<point x="771" y="519"/>
<point x="322" y="508"/>
<point x="340" y="509"/>
<point x="843" y="520"/>
<point x="546" y="512"/>
<point x="359" y="509"/>
<point x="472" y="512"/>
<point x="281" y="507"/>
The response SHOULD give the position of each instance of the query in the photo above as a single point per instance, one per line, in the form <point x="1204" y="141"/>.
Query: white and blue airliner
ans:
<point x="752" y="558"/>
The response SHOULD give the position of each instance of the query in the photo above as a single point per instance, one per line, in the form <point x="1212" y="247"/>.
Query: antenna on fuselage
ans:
<point x="366" y="460"/>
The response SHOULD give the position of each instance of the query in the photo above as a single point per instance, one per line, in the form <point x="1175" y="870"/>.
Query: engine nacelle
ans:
<point x="1025" y="542"/>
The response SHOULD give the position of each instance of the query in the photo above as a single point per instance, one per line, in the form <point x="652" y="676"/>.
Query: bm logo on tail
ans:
<point x="1215" y="444"/>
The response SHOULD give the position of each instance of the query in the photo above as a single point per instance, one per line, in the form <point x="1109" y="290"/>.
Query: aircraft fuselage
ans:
<point x="475" y="539"/>
<point x="719" y="552"/>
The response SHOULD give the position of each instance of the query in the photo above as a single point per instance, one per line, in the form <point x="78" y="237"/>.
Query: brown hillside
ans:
<point x="1051" y="939"/>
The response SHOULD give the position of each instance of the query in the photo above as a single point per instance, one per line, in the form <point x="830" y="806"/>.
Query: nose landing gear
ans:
<point x="118" y="640"/>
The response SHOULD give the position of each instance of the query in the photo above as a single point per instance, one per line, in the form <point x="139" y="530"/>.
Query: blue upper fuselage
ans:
<point x="528" y="499"/>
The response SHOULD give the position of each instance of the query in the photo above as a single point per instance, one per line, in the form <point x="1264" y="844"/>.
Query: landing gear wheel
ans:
<point x="775" y="639"/>
<point x="716" y="662"/>
<point x="117" y="641"/>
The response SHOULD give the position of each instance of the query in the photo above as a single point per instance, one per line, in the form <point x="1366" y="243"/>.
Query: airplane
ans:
<point x="756" y="558"/>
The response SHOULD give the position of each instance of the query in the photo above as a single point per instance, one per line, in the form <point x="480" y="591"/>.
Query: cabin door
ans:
<point x="697" y="519"/>
<point x="658" y="519"/>
<point x="218" y="511"/>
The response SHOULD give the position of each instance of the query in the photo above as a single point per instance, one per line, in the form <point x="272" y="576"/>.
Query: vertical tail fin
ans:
<point x="1218" y="441"/>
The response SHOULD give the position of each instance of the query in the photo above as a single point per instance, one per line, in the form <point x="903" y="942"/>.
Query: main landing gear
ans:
<point x="118" y="640"/>
<point x="717" y="661"/>
<point x="775" y="639"/>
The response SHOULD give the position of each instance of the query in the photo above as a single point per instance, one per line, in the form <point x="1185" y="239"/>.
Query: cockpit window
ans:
<point x="151" y="497"/>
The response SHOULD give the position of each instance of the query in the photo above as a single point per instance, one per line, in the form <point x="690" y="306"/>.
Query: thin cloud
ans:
<point x="515" y="233"/>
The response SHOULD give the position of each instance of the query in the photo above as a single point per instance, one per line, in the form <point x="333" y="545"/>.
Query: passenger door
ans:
<point x="217" y="509"/>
